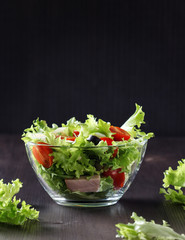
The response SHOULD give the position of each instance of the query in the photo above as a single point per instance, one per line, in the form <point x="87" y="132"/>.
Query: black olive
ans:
<point x="93" y="139"/>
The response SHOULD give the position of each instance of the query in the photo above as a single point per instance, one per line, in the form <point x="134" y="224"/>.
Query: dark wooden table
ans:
<point x="57" y="222"/>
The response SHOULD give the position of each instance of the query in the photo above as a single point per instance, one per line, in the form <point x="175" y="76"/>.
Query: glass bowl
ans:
<point x="55" y="184"/>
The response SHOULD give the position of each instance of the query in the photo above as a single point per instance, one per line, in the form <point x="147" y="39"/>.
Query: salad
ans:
<point x="90" y="159"/>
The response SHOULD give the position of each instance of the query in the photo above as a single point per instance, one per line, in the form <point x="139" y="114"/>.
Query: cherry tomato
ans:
<point x="117" y="176"/>
<point x="119" y="133"/>
<point x="76" y="133"/>
<point x="42" y="154"/>
<point x="107" y="139"/>
<point x="109" y="142"/>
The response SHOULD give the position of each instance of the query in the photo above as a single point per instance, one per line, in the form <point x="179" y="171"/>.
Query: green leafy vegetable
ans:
<point x="72" y="124"/>
<point x="9" y="210"/>
<point x="106" y="183"/>
<point x="92" y="126"/>
<point x="176" y="179"/>
<point x="81" y="157"/>
<point x="142" y="229"/>
<point x="133" y="124"/>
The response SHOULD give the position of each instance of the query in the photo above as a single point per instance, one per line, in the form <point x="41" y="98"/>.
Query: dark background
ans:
<point x="60" y="59"/>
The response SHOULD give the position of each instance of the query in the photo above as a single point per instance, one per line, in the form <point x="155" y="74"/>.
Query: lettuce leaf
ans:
<point x="133" y="124"/>
<point x="36" y="131"/>
<point x="175" y="179"/>
<point x="9" y="211"/>
<point x="142" y="229"/>
<point x="106" y="183"/>
<point x="92" y="126"/>
<point x="72" y="124"/>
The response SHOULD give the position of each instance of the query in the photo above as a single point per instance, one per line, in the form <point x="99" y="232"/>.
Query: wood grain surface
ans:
<point x="68" y="223"/>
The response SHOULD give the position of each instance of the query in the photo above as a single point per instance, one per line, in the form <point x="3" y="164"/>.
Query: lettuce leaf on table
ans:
<point x="9" y="211"/>
<point x="144" y="230"/>
<point x="174" y="183"/>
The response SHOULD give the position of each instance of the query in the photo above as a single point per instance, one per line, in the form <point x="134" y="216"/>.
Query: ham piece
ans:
<point x="83" y="184"/>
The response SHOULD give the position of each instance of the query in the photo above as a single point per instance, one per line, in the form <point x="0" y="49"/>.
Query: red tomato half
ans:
<point x="42" y="154"/>
<point x="109" y="142"/>
<point x="117" y="176"/>
<point x="119" y="133"/>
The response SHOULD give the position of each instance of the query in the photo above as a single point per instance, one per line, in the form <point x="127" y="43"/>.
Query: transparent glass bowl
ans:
<point x="51" y="181"/>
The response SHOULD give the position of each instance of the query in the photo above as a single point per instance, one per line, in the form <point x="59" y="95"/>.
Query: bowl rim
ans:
<point x="143" y="142"/>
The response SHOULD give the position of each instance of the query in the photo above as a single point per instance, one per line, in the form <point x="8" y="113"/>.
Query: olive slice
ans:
<point x="93" y="139"/>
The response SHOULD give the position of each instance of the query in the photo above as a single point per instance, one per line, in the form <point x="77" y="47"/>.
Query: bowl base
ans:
<point x="85" y="204"/>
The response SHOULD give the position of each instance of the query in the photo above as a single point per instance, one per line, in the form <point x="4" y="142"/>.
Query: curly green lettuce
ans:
<point x="39" y="129"/>
<point x="174" y="184"/>
<point x="142" y="229"/>
<point x="9" y="211"/>
<point x="133" y="124"/>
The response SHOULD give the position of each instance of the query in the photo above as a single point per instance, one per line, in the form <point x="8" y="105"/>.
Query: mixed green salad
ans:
<point x="93" y="156"/>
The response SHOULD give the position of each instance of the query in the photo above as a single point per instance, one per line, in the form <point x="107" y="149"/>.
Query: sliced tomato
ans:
<point x="42" y="154"/>
<point x="119" y="133"/>
<point x="109" y="142"/>
<point x="117" y="176"/>
<point x="68" y="138"/>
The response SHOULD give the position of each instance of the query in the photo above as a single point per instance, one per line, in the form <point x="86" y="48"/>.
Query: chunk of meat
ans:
<point x="83" y="184"/>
